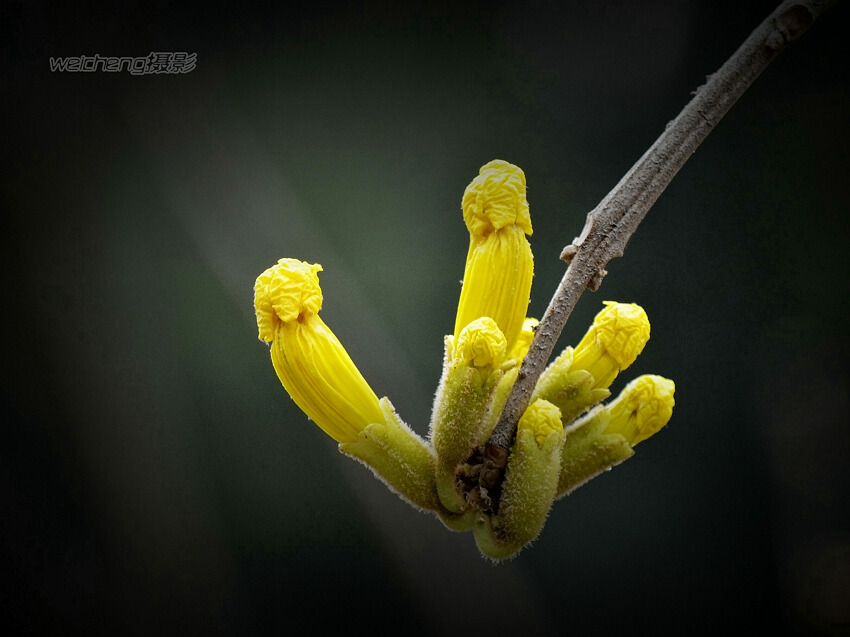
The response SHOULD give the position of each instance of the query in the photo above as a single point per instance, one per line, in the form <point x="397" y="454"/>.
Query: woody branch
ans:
<point x="610" y="225"/>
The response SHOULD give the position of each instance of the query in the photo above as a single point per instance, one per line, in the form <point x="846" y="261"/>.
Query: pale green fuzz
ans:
<point x="572" y="391"/>
<point x="398" y="457"/>
<point x="530" y="484"/>
<point x="588" y="450"/>
<point x="460" y="418"/>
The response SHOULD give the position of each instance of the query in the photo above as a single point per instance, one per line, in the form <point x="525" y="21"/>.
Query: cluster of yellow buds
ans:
<point x="566" y="436"/>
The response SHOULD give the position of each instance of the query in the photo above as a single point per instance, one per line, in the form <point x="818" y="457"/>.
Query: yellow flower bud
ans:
<point x="311" y="363"/>
<point x="642" y="408"/>
<point x="541" y="418"/>
<point x="613" y="342"/>
<point x="481" y="343"/>
<point x="499" y="264"/>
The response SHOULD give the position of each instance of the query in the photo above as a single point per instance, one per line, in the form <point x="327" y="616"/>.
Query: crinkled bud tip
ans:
<point x="616" y="338"/>
<point x="285" y="292"/>
<point x="542" y="418"/>
<point x="496" y="198"/>
<point x="642" y="408"/>
<point x="481" y="343"/>
<point x="622" y="330"/>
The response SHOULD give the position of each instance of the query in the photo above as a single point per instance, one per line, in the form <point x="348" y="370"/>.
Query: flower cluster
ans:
<point x="566" y="436"/>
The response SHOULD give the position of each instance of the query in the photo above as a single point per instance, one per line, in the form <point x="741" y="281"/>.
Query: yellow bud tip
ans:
<point x="543" y="418"/>
<point x="616" y="338"/>
<point x="481" y="343"/>
<point x="622" y="329"/>
<point x="523" y="342"/>
<point x="283" y="293"/>
<point x="642" y="408"/>
<point x="496" y="198"/>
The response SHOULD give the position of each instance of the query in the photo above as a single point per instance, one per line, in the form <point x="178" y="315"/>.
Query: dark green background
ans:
<point x="155" y="477"/>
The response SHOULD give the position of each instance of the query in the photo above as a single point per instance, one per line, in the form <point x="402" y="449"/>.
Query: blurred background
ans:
<point x="156" y="478"/>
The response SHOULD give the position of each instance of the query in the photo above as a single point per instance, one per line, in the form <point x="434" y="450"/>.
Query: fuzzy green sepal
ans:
<point x="460" y="419"/>
<point x="527" y="496"/>
<point x="460" y="409"/>
<point x="588" y="450"/>
<point x="570" y="390"/>
<point x="458" y="521"/>
<point x="448" y="489"/>
<point x="489" y="540"/>
<point x="398" y="457"/>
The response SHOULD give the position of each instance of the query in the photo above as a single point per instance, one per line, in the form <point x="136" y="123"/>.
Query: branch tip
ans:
<point x="612" y="223"/>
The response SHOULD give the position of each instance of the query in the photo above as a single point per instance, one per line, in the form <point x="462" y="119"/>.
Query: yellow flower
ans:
<point x="311" y="363"/>
<point x="642" y="408"/>
<point x="613" y="342"/>
<point x="499" y="264"/>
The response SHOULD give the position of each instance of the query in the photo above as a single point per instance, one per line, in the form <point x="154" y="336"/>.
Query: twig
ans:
<point x="610" y="225"/>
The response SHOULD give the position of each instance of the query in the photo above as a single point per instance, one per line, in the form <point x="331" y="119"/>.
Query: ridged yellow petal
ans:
<point x="497" y="282"/>
<point x="499" y="264"/>
<point x="311" y="363"/>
